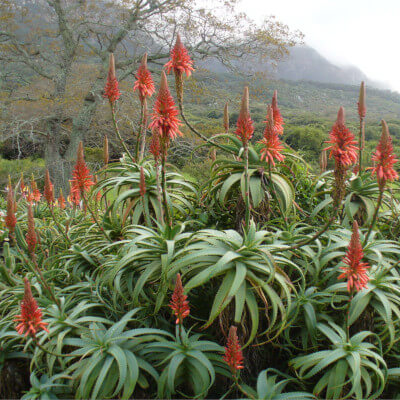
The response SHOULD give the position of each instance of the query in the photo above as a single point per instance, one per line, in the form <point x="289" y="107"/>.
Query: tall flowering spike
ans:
<point x="111" y="90"/>
<point x="164" y="117"/>
<point x="142" y="182"/>
<point x="179" y="302"/>
<point x="233" y="352"/>
<point x="342" y="142"/>
<point x="362" y="109"/>
<point x="355" y="271"/>
<point x="226" y="118"/>
<point x="245" y="128"/>
<point x="36" y="195"/>
<point x="155" y="148"/>
<point x="30" y="320"/>
<point x="106" y="155"/>
<point x="278" y="120"/>
<point x="10" y="219"/>
<point x="82" y="180"/>
<point x="180" y="61"/>
<point x="48" y="189"/>
<point x="272" y="145"/>
<point x="323" y="161"/>
<point x="61" y="200"/>
<point x="144" y="82"/>
<point x="31" y="238"/>
<point x="384" y="159"/>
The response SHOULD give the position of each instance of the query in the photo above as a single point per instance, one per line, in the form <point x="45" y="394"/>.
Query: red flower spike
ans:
<point x="356" y="271"/>
<point x="155" y="148"/>
<point x="164" y="118"/>
<point x="142" y="182"/>
<point x="233" y="352"/>
<point x="272" y="145"/>
<point x="48" y="189"/>
<point x="278" y="120"/>
<point x="61" y="201"/>
<point x="30" y="320"/>
<point x="111" y="90"/>
<point x="180" y="60"/>
<point x="22" y="185"/>
<point x="342" y="142"/>
<point x="81" y="181"/>
<point x="362" y="109"/>
<point x="384" y="159"/>
<point x="178" y="302"/>
<point x="10" y="219"/>
<point x="30" y="237"/>
<point x="245" y="128"/>
<point x="144" y="82"/>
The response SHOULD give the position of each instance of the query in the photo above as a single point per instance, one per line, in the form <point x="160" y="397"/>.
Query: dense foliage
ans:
<point x="268" y="281"/>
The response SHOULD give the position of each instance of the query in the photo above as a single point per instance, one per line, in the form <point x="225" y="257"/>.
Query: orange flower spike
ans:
<point x="180" y="61"/>
<point x="245" y="128"/>
<point x="144" y="83"/>
<point x="61" y="200"/>
<point x="30" y="320"/>
<point x="48" y="189"/>
<point x="384" y="159"/>
<point x="164" y="117"/>
<point x="355" y="271"/>
<point x="272" y="145"/>
<point x="30" y="237"/>
<point x="179" y="302"/>
<point x="342" y="142"/>
<point x="111" y="90"/>
<point x="233" y="352"/>
<point x="278" y="120"/>
<point x="155" y="148"/>
<point x="10" y="219"/>
<point x="82" y="180"/>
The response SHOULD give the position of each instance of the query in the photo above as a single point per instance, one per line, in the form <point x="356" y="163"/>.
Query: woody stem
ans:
<point x="239" y="386"/>
<point x="168" y="219"/>
<point x="119" y="134"/>
<point x="94" y="217"/>
<point x="58" y="225"/>
<point x="361" y="144"/>
<point x="374" y="218"/>
<point x="247" y="186"/>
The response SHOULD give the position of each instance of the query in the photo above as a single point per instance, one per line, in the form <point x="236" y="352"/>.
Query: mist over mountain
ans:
<point x="303" y="63"/>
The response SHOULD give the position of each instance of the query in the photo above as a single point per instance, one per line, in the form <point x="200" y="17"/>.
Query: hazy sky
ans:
<point x="363" y="33"/>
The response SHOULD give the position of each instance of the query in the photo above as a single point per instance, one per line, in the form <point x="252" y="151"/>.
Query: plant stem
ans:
<point x="49" y="352"/>
<point x="374" y="218"/>
<point x="58" y="225"/>
<point x="247" y="187"/>
<point x="361" y="144"/>
<point x="159" y="194"/>
<point x="95" y="218"/>
<point x="168" y="219"/>
<point x="271" y="184"/>
<point x="239" y="386"/>
<point x="314" y="237"/>
<point x="143" y="128"/>
<point x="200" y="135"/>
<point x="118" y="133"/>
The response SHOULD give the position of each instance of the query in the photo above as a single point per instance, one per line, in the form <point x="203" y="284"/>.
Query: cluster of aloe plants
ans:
<point x="269" y="282"/>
